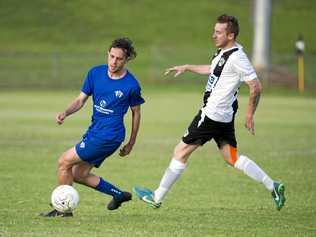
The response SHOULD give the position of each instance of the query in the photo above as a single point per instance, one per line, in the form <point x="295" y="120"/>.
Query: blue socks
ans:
<point x="107" y="188"/>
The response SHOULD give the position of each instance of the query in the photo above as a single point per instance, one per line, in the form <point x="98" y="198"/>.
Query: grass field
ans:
<point x="211" y="199"/>
<point x="59" y="26"/>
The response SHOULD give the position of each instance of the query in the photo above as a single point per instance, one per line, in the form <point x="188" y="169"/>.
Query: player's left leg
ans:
<point x="82" y="174"/>
<point x="93" y="151"/>
<point x="251" y="169"/>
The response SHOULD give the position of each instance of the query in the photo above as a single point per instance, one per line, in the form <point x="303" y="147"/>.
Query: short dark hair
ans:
<point x="126" y="45"/>
<point x="232" y="24"/>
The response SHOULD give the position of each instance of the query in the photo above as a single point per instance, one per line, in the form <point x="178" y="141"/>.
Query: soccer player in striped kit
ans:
<point x="228" y="69"/>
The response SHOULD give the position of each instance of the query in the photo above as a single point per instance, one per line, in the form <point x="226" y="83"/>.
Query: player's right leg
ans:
<point x="251" y="169"/>
<point x="176" y="167"/>
<point x="65" y="163"/>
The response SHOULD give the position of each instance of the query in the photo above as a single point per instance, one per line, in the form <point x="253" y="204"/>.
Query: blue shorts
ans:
<point x="94" y="151"/>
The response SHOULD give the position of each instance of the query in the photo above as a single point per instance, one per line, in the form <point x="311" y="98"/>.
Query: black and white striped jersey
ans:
<point x="228" y="69"/>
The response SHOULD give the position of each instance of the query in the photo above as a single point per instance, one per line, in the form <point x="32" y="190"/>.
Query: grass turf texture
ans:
<point x="56" y="25"/>
<point x="211" y="199"/>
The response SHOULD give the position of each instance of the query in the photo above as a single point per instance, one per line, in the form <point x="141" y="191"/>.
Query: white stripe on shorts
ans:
<point x="202" y="119"/>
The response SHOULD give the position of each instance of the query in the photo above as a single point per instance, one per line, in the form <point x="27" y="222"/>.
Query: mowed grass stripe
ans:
<point x="210" y="199"/>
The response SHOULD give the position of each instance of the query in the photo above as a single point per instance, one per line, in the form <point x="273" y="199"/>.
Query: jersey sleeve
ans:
<point x="87" y="86"/>
<point x="244" y="68"/>
<point x="136" y="97"/>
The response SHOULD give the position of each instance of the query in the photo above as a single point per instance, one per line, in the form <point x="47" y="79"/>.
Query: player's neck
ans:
<point x="117" y="75"/>
<point x="229" y="45"/>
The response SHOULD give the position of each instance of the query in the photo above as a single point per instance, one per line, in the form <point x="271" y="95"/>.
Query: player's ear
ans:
<point x="231" y="36"/>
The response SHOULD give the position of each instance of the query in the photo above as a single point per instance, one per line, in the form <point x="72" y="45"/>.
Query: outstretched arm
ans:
<point x="255" y="89"/>
<point x="74" y="106"/>
<point x="135" y="126"/>
<point x="200" y="69"/>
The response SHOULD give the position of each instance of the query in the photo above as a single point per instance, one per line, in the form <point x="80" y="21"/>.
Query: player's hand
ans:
<point x="177" y="69"/>
<point x="60" y="118"/>
<point x="126" y="149"/>
<point x="250" y="124"/>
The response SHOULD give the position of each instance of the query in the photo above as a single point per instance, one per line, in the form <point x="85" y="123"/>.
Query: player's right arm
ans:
<point x="199" y="69"/>
<point x="255" y="89"/>
<point x="74" y="106"/>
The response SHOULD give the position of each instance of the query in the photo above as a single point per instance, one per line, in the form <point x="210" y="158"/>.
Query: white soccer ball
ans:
<point x="65" y="198"/>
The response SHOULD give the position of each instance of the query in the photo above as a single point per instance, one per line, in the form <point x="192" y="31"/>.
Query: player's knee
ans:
<point x="183" y="151"/>
<point x="63" y="163"/>
<point x="179" y="154"/>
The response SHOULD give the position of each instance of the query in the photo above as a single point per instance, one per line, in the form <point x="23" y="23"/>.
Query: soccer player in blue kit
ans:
<point x="113" y="89"/>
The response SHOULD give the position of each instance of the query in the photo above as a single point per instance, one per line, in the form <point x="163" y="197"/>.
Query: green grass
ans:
<point x="210" y="199"/>
<point x="57" y="25"/>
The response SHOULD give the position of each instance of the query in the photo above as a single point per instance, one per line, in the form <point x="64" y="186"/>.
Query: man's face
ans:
<point x="220" y="36"/>
<point x="116" y="60"/>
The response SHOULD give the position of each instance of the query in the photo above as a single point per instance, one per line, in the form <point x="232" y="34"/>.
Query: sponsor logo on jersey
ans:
<point x="211" y="82"/>
<point x="102" y="108"/>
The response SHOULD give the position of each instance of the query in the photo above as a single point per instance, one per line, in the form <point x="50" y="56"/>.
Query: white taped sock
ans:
<point x="170" y="176"/>
<point x="251" y="169"/>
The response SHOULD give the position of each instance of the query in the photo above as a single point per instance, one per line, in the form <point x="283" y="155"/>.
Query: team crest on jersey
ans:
<point x="82" y="145"/>
<point x="103" y="103"/>
<point x="119" y="94"/>
<point x="221" y="62"/>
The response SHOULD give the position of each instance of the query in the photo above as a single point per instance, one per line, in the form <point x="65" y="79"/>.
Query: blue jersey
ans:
<point x="111" y="100"/>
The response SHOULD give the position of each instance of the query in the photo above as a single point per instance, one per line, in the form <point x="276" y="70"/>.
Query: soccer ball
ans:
<point x="65" y="198"/>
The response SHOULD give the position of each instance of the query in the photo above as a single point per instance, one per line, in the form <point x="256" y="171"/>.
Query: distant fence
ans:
<point x="62" y="70"/>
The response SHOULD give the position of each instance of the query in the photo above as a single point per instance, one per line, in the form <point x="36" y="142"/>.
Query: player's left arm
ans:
<point x="136" y="115"/>
<point x="255" y="89"/>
